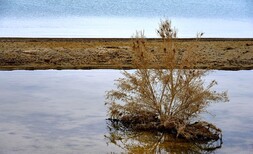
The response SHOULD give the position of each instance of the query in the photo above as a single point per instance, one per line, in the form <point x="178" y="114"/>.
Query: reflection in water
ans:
<point x="63" y="112"/>
<point x="159" y="142"/>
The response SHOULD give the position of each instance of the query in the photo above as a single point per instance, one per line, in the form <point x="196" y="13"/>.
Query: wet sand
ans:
<point x="111" y="53"/>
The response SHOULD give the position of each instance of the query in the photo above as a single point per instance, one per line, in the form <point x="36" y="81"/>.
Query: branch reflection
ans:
<point x="158" y="142"/>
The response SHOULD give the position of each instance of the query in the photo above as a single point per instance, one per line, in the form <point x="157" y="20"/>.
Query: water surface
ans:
<point x="63" y="111"/>
<point x="110" y="18"/>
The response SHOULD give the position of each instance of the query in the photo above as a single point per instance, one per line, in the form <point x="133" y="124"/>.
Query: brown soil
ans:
<point x="74" y="53"/>
<point x="198" y="132"/>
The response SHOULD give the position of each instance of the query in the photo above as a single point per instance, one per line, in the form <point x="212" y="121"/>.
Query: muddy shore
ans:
<point x="110" y="53"/>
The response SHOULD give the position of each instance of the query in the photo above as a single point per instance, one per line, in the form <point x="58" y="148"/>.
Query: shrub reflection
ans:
<point x="154" y="142"/>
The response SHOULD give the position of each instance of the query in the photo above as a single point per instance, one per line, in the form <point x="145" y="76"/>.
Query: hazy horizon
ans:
<point x="108" y="18"/>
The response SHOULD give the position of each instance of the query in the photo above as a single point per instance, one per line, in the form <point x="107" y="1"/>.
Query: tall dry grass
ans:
<point x="165" y="91"/>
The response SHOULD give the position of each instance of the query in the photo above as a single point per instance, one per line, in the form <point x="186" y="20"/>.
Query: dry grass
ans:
<point x="170" y="96"/>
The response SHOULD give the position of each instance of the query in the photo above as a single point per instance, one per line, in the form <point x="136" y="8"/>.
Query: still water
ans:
<point x="63" y="112"/>
<point x="121" y="18"/>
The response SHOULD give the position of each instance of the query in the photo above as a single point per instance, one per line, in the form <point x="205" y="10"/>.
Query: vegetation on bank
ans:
<point x="170" y="96"/>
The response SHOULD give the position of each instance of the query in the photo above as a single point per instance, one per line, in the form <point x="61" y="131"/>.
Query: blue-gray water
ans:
<point x="121" y="18"/>
<point x="63" y="111"/>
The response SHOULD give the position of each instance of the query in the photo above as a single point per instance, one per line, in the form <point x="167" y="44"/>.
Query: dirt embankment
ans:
<point x="36" y="53"/>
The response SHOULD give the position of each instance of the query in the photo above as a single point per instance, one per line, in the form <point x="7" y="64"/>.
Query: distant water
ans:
<point x="111" y="18"/>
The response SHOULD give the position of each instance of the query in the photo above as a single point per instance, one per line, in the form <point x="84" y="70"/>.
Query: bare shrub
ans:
<point x="165" y="92"/>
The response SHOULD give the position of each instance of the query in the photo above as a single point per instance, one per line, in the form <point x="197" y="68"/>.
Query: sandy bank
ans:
<point x="104" y="53"/>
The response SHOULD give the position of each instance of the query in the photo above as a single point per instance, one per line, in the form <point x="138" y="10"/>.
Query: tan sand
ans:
<point x="73" y="53"/>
